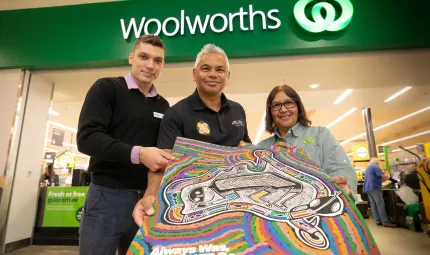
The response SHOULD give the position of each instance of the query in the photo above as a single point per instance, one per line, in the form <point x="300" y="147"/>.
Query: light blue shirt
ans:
<point x="322" y="147"/>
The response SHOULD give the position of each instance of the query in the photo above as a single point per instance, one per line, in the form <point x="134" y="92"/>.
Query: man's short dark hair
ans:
<point x="153" y="40"/>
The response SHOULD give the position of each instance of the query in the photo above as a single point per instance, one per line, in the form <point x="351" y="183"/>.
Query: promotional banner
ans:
<point x="64" y="206"/>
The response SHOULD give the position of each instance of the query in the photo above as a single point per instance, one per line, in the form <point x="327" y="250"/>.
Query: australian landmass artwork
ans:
<point x="229" y="201"/>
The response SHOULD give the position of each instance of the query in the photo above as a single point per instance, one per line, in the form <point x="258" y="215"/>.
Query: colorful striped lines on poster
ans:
<point x="228" y="201"/>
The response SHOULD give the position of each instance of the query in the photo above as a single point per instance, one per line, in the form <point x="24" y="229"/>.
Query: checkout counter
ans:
<point x="396" y="209"/>
<point x="60" y="210"/>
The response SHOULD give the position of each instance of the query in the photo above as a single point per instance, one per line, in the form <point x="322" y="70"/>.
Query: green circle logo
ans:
<point x="79" y="213"/>
<point x="320" y="23"/>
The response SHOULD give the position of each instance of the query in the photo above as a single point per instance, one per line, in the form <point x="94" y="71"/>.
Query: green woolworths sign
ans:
<point x="102" y="34"/>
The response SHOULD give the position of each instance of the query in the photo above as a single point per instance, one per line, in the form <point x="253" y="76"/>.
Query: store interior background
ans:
<point x="372" y="76"/>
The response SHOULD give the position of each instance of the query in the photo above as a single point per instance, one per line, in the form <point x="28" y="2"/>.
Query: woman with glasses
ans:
<point x="286" y="118"/>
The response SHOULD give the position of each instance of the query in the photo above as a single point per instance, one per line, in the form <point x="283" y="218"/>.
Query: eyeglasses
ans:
<point x="276" y="106"/>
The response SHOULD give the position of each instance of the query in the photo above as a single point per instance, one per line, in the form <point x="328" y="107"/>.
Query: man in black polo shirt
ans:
<point x="207" y="115"/>
<point x="118" y="128"/>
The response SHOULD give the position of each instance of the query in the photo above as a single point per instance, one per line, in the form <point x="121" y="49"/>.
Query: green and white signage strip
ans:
<point x="101" y="34"/>
<point x="64" y="206"/>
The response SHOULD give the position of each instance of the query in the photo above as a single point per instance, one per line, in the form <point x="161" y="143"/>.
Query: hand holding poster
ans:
<point x="220" y="200"/>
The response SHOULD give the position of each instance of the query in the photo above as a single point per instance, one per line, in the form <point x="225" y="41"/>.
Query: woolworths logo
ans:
<point x="320" y="23"/>
<point x="243" y="20"/>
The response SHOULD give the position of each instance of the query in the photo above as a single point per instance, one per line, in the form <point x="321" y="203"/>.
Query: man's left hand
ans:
<point x="143" y="209"/>
<point x="342" y="183"/>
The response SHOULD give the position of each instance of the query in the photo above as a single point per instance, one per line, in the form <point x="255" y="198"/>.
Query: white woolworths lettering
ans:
<point x="165" y="25"/>
<point x="201" y="24"/>
<point x="197" y="22"/>
<point x="224" y="27"/>
<point x="156" y="22"/>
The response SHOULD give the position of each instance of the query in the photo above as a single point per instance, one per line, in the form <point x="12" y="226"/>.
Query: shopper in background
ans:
<point x="118" y="128"/>
<point x="286" y="117"/>
<point x="207" y="115"/>
<point x="373" y="178"/>
<point x="49" y="178"/>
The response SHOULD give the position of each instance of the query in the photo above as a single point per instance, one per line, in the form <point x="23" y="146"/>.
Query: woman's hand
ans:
<point x="342" y="183"/>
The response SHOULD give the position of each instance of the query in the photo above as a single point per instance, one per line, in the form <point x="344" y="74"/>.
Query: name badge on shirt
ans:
<point x="158" y="115"/>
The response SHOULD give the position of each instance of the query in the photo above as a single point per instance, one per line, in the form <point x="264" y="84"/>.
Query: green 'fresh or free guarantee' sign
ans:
<point x="64" y="206"/>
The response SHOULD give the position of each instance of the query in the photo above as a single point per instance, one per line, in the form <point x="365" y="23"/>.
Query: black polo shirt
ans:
<point x="191" y="118"/>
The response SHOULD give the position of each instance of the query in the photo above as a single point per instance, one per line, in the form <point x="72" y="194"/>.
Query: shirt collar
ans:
<point x="295" y="131"/>
<point x="131" y="84"/>
<point x="197" y="103"/>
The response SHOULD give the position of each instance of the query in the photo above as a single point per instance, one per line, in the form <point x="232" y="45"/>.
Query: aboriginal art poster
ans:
<point x="228" y="201"/>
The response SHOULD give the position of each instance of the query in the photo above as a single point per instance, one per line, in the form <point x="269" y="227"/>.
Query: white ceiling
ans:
<point x="374" y="76"/>
<point x="260" y="75"/>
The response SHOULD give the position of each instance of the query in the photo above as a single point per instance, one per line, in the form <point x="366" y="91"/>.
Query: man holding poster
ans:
<point x="118" y="128"/>
<point x="207" y="115"/>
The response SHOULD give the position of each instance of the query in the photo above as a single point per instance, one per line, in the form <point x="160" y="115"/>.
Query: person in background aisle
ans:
<point x="373" y="178"/>
<point x="286" y="118"/>
<point x="49" y="178"/>
<point x="207" y="115"/>
<point x="118" y="127"/>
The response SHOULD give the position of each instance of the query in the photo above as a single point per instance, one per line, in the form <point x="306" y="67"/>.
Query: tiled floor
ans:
<point x="399" y="241"/>
<point x="394" y="241"/>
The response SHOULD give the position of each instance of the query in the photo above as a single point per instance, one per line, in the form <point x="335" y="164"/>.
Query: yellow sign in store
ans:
<point x="427" y="149"/>
<point x="360" y="152"/>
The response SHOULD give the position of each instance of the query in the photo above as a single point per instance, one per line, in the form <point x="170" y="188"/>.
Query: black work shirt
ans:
<point x="113" y="120"/>
<point x="191" y="118"/>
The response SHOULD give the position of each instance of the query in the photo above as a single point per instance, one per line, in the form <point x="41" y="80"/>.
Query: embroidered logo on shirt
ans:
<point x="309" y="140"/>
<point x="203" y="128"/>
<point x="237" y="123"/>
<point x="158" y="115"/>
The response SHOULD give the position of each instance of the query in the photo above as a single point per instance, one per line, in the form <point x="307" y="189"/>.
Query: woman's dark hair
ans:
<point x="49" y="168"/>
<point x="302" y="118"/>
